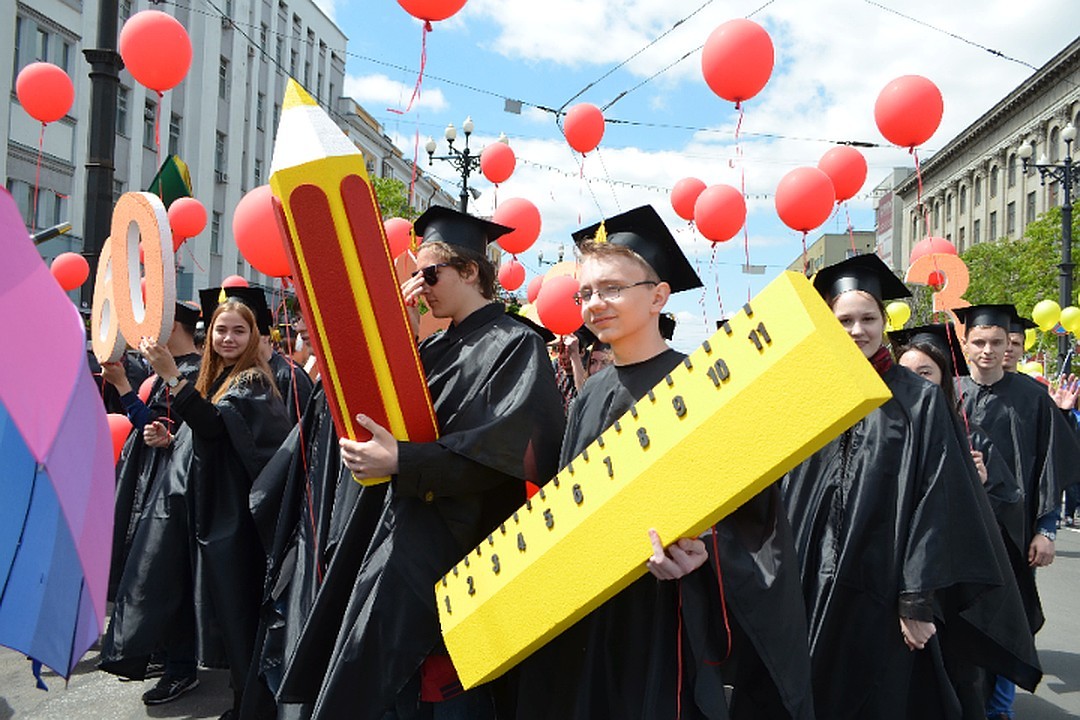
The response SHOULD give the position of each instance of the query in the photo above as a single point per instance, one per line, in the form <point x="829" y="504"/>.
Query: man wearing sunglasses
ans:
<point x="658" y="645"/>
<point x="500" y="421"/>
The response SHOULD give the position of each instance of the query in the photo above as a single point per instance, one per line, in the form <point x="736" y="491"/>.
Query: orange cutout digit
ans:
<point x="950" y="296"/>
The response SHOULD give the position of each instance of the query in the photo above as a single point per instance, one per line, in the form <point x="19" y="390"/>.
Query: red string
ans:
<point x="37" y="177"/>
<point x="850" y="229"/>
<point x="805" y="260"/>
<point x="157" y="126"/>
<point x="704" y="290"/>
<point x="420" y="76"/>
<point x="678" y="651"/>
<point x="723" y="598"/>
<point x="742" y="183"/>
<point x="415" y="157"/>
<point x="303" y="445"/>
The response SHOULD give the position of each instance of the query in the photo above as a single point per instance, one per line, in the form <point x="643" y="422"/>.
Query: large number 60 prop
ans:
<point x="121" y="316"/>
<point x="948" y="298"/>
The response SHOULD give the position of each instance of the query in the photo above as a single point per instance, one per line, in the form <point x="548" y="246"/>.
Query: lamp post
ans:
<point x="1064" y="174"/>
<point x="464" y="161"/>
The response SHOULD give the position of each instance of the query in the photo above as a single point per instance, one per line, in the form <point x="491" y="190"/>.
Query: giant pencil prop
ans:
<point x="345" y="278"/>
<point x="775" y="384"/>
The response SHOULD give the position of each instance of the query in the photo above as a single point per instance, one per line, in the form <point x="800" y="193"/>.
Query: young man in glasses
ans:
<point x="659" y="648"/>
<point x="500" y="422"/>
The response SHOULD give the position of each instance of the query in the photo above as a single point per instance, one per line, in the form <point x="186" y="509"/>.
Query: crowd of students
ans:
<point x="890" y="575"/>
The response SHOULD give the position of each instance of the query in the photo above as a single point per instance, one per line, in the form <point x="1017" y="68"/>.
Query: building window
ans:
<point x="307" y="74"/>
<point x="174" y="134"/>
<point x="1030" y="216"/>
<point x="117" y="190"/>
<point x="993" y="227"/>
<point x="264" y="34"/>
<point x="1052" y="194"/>
<point x="41" y="50"/>
<point x="125" y="9"/>
<point x="17" y="65"/>
<point x="215" y="233"/>
<point x="65" y="56"/>
<point x="961" y="237"/>
<point x="279" y="53"/>
<point x="1034" y="156"/>
<point x="318" y="88"/>
<point x="223" y="79"/>
<point x="962" y="205"/>
<point x="992" y="186"/>
<point x="292" y="62"/>
<point x="123" y="96"/>
<point x="976" y="232"/>
<point x="948" y="208"/>
<point x="260" y="110"/>
<point x="258" y="172"/>
<point x="1052" y="149"/>
<point x="937" y="214"/>
<point x="219" y="153"/>
<point x="330" y="100"/>
<point x="277" y="116"/>
<point x="978" y="192"/>
<point x="1010" y="176"/>
<point x="1010" y="219"/>
<point x="150" y="125"/>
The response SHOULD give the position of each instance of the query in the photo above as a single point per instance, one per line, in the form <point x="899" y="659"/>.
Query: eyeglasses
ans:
<point x="608" y="292"/>
<point x="430" y="273"/>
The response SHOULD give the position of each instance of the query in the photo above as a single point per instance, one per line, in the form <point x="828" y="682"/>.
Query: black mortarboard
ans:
<point x="642" y="230"/>
<point x="942" y="338"/>
<point x="254" y="298"/>
<point x="667" y="326"/>
<point x="861" y="272"/>
<point x="1019" y="324"/>
<point x="457" y="229"/>
<point x="187" y="314"/>
<point x="992" y="315"/>
<point x="586" y="337"/>
<point x="542" y="331"/>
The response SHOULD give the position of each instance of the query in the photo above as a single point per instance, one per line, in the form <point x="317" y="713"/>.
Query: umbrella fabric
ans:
<point x="56" y="469"/>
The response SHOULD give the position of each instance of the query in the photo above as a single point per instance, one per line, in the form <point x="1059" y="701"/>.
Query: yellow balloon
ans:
<point x="899" y="313"/>
<point x="1035" y="368"/>
<point x="1046" y="314"/>
<point x="1070" y="319"/>
<point x="1029" y="338"/>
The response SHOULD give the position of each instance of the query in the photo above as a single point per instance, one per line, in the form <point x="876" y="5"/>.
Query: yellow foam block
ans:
<point x="775" y="384"/>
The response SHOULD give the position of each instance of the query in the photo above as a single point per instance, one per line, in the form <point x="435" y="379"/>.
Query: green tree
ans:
<point x="1021" y="271"/>
<point x="393" y="198"/>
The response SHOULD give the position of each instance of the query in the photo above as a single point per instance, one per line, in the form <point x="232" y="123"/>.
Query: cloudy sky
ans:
<point x="833" y="57"/>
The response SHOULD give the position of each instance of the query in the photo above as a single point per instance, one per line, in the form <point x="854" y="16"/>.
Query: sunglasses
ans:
<point x="430" y="273"/>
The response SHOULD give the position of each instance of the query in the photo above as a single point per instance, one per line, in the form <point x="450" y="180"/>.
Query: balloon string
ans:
<point x="850" y="229"/>
<point x="157" y="126"/>
<point x="611" y="183"/>
<point x="193" y="258"/>
<point x="805" y="259"/>
<point x="284" y="308"/>
<point x="723" y="598"/>
<point x="678" y="650"/>
<point x="415" y="157"/>
<point x="37" y="178"/>
<point x="924" y="211"/>
<point x="704" y="290"/>
<point x="420" y="75"/>
<point x="742" y="184"/>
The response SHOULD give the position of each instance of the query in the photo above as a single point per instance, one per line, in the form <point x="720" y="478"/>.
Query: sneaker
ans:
<point x="168" y="689"/>
<point x="154" y="670"/>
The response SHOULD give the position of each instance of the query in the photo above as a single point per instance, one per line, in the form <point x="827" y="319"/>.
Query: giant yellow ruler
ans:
<point x="773" y="385"/>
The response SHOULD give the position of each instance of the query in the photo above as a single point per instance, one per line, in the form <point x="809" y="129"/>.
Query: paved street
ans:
<point x="95" y="695"/>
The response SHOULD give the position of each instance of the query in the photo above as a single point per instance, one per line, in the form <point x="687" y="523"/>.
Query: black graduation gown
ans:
<point x="314" y="528"/>
<point x="139" y="465"/>
<point x="889" y="507"/>
<point x="293" y="383"/>
<point x="1036" y="442"/>
<point x="500" y="418"/>
<point x="623" y="659"/>
<point x="134" y="369"/>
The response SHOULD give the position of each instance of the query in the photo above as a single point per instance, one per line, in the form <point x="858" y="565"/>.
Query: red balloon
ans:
<point x="846" y="167"/>
<point x="146" y="387"/>
<point x="737" y="60"/>
<point x="534" y="288"/>
<point x="556" y="307"/>
<point x="511" y="275"/>
<point x="908" y="111"/>
<point x="187" y="217"/>
<point x="234" y="281"/>
<point x="684" y="195"/>
<point x="119" y="429"/>
<point x="142" y="289"/>
<point x="928" y="245"/>
<point x="45" y="91"/>
<point x="70" y="270"/>
<point x="584" y="127"/>
<point x="258" y="233"/>
<point x="398" y="235"/>
<point x="936" y="279"/>
<point x="156" y="49"/>
<point x="804" y="198"/>
<point x="431" y="10"/>
<point x="720" y="212"/>
<point x="497" y="162"/>
<point x="522" y="215"/>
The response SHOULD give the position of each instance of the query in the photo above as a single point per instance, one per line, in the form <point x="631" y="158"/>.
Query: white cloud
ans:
<point x="329" y="7"/>
<point x="379" y="91"/>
